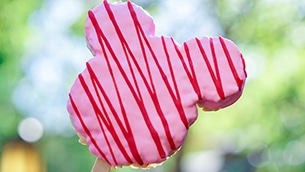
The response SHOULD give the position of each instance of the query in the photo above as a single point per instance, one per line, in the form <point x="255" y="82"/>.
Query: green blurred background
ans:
<point x="42" y="49"/>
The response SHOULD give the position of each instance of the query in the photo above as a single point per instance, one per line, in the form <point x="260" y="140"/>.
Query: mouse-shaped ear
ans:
<point x="108" y="15"/>
<point x="220" y="71"/>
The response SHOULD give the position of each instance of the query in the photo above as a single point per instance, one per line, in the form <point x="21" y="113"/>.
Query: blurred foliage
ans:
<point x="13" y="32"/>
<point x="78" y="27"/>
<point x="13" y="19"/>
<point x="263" y="131"/>
<point x="65" y="154"/>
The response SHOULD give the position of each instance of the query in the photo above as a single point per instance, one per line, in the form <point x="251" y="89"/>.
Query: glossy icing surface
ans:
<point x="137" y="97"/>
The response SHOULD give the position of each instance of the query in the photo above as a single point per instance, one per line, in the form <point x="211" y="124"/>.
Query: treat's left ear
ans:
<point x="101" y="166"/>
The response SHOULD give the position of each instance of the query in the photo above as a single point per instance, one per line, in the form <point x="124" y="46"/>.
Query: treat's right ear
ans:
<point x="224" y="70"/>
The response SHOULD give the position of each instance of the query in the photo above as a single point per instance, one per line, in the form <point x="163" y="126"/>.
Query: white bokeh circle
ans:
<point x="30" y="130"/>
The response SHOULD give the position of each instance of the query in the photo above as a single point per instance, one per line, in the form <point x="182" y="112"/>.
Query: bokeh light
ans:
<point x="30" y="130"/>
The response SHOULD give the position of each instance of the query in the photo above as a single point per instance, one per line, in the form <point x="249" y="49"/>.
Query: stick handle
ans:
<point x="101" y="166"/>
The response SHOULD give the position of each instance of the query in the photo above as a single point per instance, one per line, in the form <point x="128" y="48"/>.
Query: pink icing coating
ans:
<point x="137" y="97"/>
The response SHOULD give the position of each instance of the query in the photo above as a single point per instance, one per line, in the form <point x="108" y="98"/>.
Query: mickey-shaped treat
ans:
<point x="136" y="99"/>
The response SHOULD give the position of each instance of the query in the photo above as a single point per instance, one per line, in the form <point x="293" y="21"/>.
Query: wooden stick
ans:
<point x="101" y="166"/>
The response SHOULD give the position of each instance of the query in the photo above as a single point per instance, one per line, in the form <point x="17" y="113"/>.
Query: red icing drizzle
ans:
<point x="239" y="81"/>
<point x="140" y="34"/>
<point x="86" y="128"/>
<point x="103" y="115"/>
<point x="193" y="78"/>
<point x="128" y="137"/>
<point x="152" y="92"/>
<point x="100" y="109"/>
<point x="176" y="100"/>
<point x="216" y="79"/>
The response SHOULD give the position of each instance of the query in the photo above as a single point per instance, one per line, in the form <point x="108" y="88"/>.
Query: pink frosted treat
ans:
<point x="136" y="99"/>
